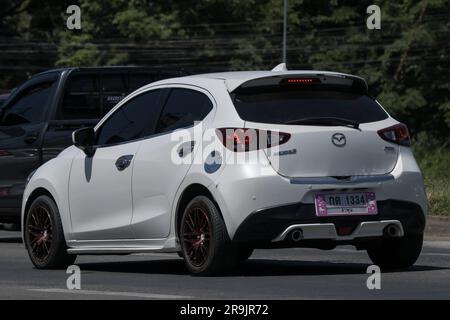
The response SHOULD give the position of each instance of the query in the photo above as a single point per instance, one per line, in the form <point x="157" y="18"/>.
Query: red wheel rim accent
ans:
<point x="196" y="235"/>
<point x="40" y="232"/>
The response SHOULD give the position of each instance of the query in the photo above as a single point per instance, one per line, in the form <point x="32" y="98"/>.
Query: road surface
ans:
<point x="269" y="274"/>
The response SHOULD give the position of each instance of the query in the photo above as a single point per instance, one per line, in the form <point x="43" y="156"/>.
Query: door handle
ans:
<point x="31" y="139"/>
<point x="124" y="162"/>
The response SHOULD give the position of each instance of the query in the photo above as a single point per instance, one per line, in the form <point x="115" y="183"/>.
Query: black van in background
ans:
<point x="38" y="118"/>
<point x="3" y="98"/>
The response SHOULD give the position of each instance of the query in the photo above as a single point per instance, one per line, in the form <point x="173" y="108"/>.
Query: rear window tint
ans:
<point x="81" y="99"/>
<point x="183" y="108"/>
<point x="281" y="105"/>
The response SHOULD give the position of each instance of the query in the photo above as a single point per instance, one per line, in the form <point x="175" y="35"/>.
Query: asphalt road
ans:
<point x="269" y="274"/>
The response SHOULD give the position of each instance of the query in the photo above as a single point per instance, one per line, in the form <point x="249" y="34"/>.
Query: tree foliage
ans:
<point x="405" y="63"/>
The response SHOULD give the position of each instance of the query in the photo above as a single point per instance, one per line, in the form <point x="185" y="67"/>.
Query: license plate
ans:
<point x="345" y="204"/>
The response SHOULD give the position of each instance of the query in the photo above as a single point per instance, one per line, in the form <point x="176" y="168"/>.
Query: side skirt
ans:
<point x="122" y="246"/>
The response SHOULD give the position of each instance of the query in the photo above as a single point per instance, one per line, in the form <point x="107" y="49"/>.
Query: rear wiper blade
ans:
<point x="325" y="121"/>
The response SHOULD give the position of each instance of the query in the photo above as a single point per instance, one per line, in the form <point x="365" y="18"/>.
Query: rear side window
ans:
<point x="281" y="105"/>
<point x="182" y="109"/>
<point x="81" y="99"/>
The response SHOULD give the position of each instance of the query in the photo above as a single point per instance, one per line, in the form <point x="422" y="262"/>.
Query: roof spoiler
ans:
<point x="282" y="75"/>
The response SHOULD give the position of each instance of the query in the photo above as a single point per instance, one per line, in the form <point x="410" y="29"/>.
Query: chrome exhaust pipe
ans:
<point x="392" y="231"/>
<point x="297" y="235"/>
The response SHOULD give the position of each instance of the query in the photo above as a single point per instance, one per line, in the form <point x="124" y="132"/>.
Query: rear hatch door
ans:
<point x="333" y="126"/>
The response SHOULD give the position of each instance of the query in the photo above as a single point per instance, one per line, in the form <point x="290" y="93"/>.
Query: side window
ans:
<point x="133" y="120"/>
<point x="182" y="109"/>
<point x="30" y="106"/>
<point x="81" y="99"/>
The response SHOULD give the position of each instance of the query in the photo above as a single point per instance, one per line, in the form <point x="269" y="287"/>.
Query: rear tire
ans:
<point x="44" y="236"/>
<point x="205" y="244"/>
<point x="396" y="253"/>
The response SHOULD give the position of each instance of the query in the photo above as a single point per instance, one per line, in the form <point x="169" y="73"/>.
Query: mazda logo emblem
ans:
<point x="338" y="140"/>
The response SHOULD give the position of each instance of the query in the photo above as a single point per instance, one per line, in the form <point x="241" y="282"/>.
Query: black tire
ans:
<point x="205" y="244"/>
<point x="396" y="253"/>
<point x="243" y="253"/>
<point x="44" y="236"/>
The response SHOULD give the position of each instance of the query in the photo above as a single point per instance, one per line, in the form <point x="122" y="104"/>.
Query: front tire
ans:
<point x="44" y="236"/>
<point x="396" y="253"/>
<point x="206" y="246"/>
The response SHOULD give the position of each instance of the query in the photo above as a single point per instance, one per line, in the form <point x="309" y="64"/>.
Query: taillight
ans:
<point x="240" y="139"/>
<point x="4" y="153"/>
<point x="3" y="192"/>
<point x="397" y="134"/>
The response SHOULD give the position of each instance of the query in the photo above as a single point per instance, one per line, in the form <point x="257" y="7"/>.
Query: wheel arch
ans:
<point x="190" y="192"/>
<point x="36" y="193"/>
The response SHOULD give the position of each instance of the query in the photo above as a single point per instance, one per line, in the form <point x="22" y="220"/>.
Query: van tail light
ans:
<point x="242" y="140"/>
<point x="398" y="134"/>
<point x="3" y="192"/>
<point x="4" y="153"/>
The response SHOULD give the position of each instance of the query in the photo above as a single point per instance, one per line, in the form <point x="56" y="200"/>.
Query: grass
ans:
<point x="435" y="166"/>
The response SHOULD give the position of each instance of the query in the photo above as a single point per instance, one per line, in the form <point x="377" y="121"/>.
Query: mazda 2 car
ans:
<point x="213" y="166"/>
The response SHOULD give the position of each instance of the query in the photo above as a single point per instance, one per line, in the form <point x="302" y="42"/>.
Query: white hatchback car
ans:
<point x="213" y="166"/>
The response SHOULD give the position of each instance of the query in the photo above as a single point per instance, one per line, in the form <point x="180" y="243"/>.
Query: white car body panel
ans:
<point x="153" y="202"/>
<point x="100" y="196"/>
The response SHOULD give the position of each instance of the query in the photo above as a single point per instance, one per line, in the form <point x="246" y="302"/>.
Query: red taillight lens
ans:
<point x="398" y="134"/>
<point x="240" y="139"/>
<point x="3" y="192"/>
<point x="4" y="153"/>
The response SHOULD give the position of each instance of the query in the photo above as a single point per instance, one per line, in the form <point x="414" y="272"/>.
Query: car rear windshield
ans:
<point x="283" y="105"/>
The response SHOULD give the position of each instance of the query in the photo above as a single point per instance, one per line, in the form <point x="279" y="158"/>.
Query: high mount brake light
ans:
<point x="299" y="81"/>
<point x="398" y="134"/>
<point x="242" y="140"/>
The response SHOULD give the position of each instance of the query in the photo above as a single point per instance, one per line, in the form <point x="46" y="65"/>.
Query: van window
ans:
<point x="114" y="89"/>
<point x="138" y="80"/>
<point x="81" y="99"/>
<point x="30" y="106"/>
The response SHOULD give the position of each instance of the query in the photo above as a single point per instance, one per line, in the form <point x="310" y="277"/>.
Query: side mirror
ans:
<point x="84" y="139"/>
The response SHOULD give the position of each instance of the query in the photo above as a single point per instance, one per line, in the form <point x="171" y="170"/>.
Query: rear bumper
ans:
<point x="245" y="192"/>
<point x="267" y="227"/>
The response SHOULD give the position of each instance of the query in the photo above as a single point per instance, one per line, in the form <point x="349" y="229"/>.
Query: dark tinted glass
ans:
<point x="114" y="88"/>
<point x="182" y="109"/>
<point x="81" y="99"/>
<point x="131" y="121"/>
<point x="279" y="105"/>
<point x="114" y="83"/>
<point x="140" y="80"/>
<point x="29" y="107"/>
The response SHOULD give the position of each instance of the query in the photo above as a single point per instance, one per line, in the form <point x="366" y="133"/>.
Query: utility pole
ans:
<point x="285" y="31"/>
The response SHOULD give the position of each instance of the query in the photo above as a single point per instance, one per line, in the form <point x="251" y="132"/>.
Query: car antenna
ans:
<point x="280" y="68"/>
